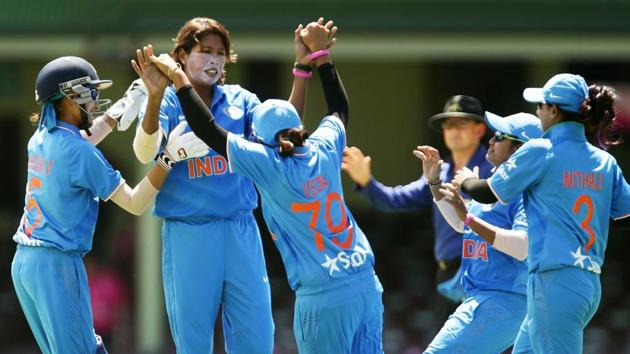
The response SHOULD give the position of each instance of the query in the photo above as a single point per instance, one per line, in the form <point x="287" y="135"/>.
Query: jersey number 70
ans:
<point x="315" y="208"/>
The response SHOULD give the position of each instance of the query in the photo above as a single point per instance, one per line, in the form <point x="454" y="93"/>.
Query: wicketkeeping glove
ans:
<point x="181" y="147"/>
<point x="126" y="109"/>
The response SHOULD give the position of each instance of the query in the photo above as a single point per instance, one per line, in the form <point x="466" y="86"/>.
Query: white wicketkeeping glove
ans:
<point x="181" y="147"/>
<point x="126" y="109"/>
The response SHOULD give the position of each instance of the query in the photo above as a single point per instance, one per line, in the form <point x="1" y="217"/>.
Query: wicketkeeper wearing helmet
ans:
<point x="67" y="175"/>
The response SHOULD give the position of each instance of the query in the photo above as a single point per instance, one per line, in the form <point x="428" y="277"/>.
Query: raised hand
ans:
<point x="165" y="63"/>
<point x="126" y="109"/>
<point x="463" y="174"/>
<point x="453" y="197"/>
<point x="330" y="26"/>
<point x="357" y="165"/>
<point x="431" y="162"/>
<point x="155" y="81"/>
<point x="301" y="50"/>
<point x="316" y="36"/>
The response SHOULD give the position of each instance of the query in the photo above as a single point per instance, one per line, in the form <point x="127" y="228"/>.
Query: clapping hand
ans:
<point x="431" y="162"/>
<point x="155" y="81"/>
<point x="463" y="174"/>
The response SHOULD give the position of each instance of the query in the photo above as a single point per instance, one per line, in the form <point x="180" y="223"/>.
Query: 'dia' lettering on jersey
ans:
<point x="204" y="186"/>
<point x="66" y="177"/>
<point x="485" y="268"/>
<point x="571" y="191"/>
<point x="303" y="205"/>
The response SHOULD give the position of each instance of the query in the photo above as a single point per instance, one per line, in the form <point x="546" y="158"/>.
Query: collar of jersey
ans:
<point x="566" y="131"/>
<point x="68" y="126"/>
<point x="301" y="151"/>
<point x="217" y="94"/>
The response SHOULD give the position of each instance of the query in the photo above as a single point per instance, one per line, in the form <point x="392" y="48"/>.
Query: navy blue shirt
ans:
<point x="417" y="196"/>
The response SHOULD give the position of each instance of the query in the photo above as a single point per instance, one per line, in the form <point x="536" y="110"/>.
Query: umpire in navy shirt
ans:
<point x="463" y="127"/>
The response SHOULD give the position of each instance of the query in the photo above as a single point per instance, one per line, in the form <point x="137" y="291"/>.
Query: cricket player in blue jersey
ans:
<point x="328" y="260"/>
<point x="211" y="248"/>
<point x="572" y="189"/>
<point x="67" y="176"/>
<point x="494" y="274"/>
<point x="461" y="125"/>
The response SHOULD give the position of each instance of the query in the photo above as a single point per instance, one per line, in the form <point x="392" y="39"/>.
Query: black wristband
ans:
<point x="303" y="67"/>
<point x="439" y="182"/>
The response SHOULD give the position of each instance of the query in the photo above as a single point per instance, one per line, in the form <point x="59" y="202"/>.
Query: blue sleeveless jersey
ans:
<point x="304" y="207"/>
<point x="571" y="191"/>
<point x="485" y="268"/>
<point x="67" y="176"/>
<point x="204" y="187"/>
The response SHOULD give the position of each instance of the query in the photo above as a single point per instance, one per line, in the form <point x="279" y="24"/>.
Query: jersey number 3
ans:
<point x="315" y="208"/>
<point x="585" y="224"/>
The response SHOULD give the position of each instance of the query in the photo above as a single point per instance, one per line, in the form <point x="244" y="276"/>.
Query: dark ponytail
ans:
<point x="598" y="116"/>
<point x="289" y="139"/>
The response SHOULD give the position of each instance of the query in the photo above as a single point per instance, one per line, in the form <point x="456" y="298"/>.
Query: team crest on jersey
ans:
<point x="234" y="112"/>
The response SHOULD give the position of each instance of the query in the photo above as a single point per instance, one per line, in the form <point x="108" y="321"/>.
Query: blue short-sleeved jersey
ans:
<point x="485" y="268"/>
<point x="303" y="205"/>
<point x="204" y="187"/>
<point x="571" y="190"/>
<point x="67" y="176"/>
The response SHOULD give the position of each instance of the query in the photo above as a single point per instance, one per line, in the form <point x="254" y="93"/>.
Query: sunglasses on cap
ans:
<point x="498" y="136"/>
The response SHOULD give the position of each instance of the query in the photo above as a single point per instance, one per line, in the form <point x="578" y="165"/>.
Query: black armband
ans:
<point x="479" y="190"/>
<point x="201" y="120"/>
<point x="334" y="92"/>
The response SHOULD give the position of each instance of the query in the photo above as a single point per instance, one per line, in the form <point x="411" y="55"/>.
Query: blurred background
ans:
<point x="399" y="59"/>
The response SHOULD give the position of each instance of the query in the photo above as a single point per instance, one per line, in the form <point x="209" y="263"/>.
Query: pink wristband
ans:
<point x="319" y="53"/>
<point x="301" y="73"/>
<point x="469" y="218"/>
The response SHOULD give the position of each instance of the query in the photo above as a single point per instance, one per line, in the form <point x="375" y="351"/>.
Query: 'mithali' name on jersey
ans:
<point x="582" y="180"/>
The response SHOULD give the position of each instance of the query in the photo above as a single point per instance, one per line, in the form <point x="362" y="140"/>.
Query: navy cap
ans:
<point x="459" y="106"/>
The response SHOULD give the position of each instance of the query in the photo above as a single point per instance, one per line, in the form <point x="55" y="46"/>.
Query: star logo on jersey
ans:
<point x="579" y="257"/>
<point x="509" y="165"/>
<point x="505" y="168"/>
<point x="331" y="264"/>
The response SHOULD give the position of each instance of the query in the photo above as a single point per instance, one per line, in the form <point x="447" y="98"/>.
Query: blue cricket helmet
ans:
<point x="63" y="74"/>
<point x="272" y="117"/>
